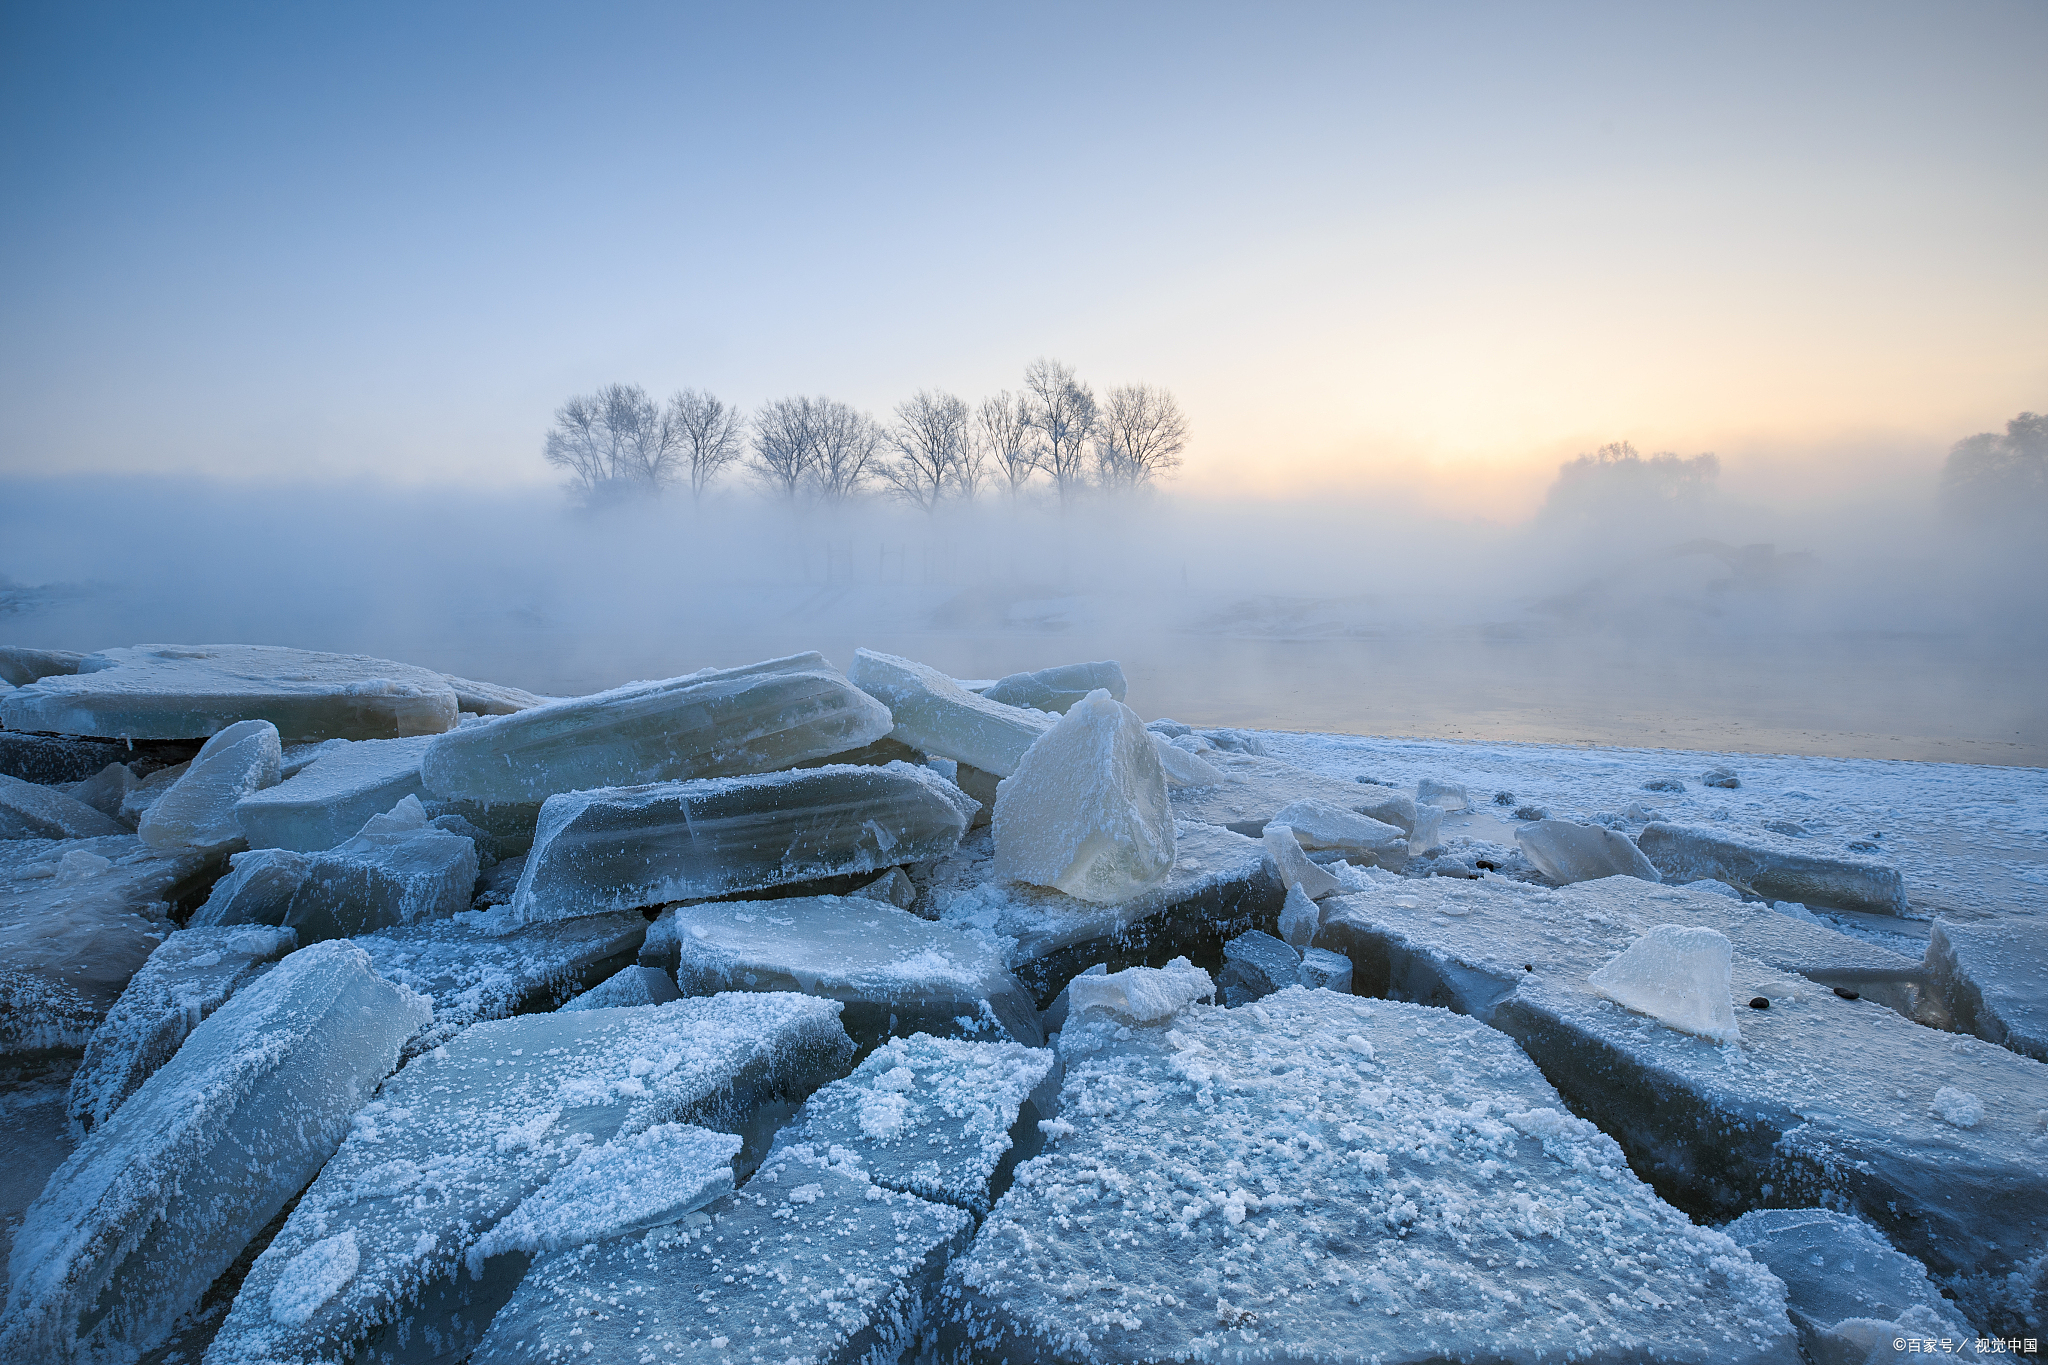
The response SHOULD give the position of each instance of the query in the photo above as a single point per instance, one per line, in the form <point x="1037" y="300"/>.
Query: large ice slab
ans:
<point x="895" y="972"/>
<point x="1219" y="886"/>
<point x="1318" y="1177"/>
<point x="933" y="713"/>
<point x="468" y="1132"/>
<point x="1085" y="812"/>
<point x="618" y="847"/>
<point x="721" y="723"/>
<point x="1772" y="868"/>
<point x="813" y="1263"/>
<point x="192" y="691"/>
<point x="327" y="801"/>
<point x="1058" y="688"/>
<point x="1827" y="1100"/>
<point x="198" y="811"/>
<point x="934" y="1117"/>
<point x="190" y="975"/>
<point x="1993" y="977"/>
<point x="78" y="918"/>
<point x="31" y="811"/>
<point x="162" y="1196"/>
<point x="1256" y="789"/>
<point x="1846" y="1290"/>
<point x="471" y="976"/>
<point x="1568" y="852"/>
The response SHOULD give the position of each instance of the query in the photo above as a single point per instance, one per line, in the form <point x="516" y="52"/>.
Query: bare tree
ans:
<point x="1005" y="437"/>
<point x="613" y="442"/>
<point x="1140" y="436"/>
<point x="1063" y="411"/>
<point x="706" y="435"/>
<point x="785" y="445"/>
<point x="932" y="443"/>
<point x="848" y="444"/>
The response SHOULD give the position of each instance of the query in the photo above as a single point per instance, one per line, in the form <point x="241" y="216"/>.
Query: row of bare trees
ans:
<point x="619" y="442"/>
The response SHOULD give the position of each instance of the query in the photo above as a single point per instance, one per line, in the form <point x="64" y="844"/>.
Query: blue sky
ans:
<point x="382" y="242"/>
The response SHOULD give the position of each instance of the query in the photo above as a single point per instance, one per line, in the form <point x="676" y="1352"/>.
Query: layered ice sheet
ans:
<point x="1772" y="868"/>
<point x="1827" y="1100"/>
<point x="192" y="691"/>
<point x="198" y="810"/>
<point x="78" y="918"/>
<point x="29" y="810"/>
<point x="1256" y="789"/>
<point x="1846" y="1290"/>
<point x="895" y="972"/>
<point x="933" y="1116"/>
<point x="617" y="847"/>
<point x="162" y="1196"/>
<point x="1993" y="977"/>
<point x="933" y="713"/>
<point x="1567" y="852"/>
<point x="1317" y="1177"/>
<point x="1058" y="688"/>
<point x="1085" y="811"/>
<point x="190" y="975"/>
<point x="812" y="1263"/>
<point x="713" y="724"/>
<point x="327" y="801"/>
<point x="470" y="1131"/>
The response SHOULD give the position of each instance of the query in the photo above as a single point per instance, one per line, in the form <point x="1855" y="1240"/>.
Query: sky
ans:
<point x="1432" y="250"/>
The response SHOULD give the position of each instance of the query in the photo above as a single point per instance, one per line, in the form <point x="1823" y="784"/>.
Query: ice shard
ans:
<point x="1291" y="866"/>
<point x="714" y="724"/>
<point x="1085" y="811"/>
<point x="327" y="801"/>
<point x="1678" y="975"/>
<point x="933" y="713"/>
<point x="192" y="691"/>
<point x="1299" y="917"/>
<point x="198" y="810"/>
<point x="1773" y="869"/>
<point x="1320" y="826"/>
<point x="631" y="987"/>
<point x="1846" y="1290"/>
<point x="467" y="1133"/>
<point x="1057" y="689"/>
<point x="1256" y="789"/>
<point x="1993" y="977"/>
<point x="31" y="811"/>
<point x="160" y="1198"/>
<point x="895" y="972"/>
<point x="1568" y="852"/>
<point x="190" y="975"/>
<point x="1447" y="795"/>
<point x="1319" y="1177"/>
<point x="619" y="847"/>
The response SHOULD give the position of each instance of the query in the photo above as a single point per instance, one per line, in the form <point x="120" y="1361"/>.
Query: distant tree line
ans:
<point x="618" y="442"/>
<point x="2000" y="480"/>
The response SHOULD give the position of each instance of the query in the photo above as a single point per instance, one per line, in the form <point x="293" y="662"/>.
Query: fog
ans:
<point x="1626" y="610"/>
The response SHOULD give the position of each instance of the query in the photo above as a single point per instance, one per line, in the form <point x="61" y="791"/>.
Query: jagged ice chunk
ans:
<point x="1086" y="812"/>
<point x="1678" y="975"/>
<point x="1568" y="852"/>
<point x="933" y="713"/>
<point x="1057" y="689"/>
<point x="327" y="801"/>
<point x="1323" y="825"/>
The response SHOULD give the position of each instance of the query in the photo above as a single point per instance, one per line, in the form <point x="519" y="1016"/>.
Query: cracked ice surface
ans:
<point x="1318" y="1177"/>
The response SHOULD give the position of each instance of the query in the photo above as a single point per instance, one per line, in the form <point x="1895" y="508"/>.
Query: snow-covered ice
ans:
<point x="198" y="810"/>
<point x="935" y="714"/>
<point x="1769" y="866"/>
<point x="719" y="723"/>
<point x="1058" y="688"/>
<point x="1085" y="811"/>
<point x="193" y="691"/>
<point x="466" y="1133"/>
<point x="1315" y="1176"/>
<point x="329" y="798"/>
<point x="1565" y="851"/>
<point x="29" y="810"/>
<point x="1256" y="789"/>
<point x="1993" y="977"/>
<point x="156" y="1201"/>
<point x="617" y="847"/>
<point x="630" y="986"/>
<point x="1676" y="974"/>
<point x="1320" y="826"/>
<point x="895" y="972"/>
<point x="190" y="975"/>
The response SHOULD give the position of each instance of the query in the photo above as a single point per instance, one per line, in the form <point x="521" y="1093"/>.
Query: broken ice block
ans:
<point x="30" y="811"/>
<point x="106" y="789"/>
<point x="933" y="713"/>
<point x="1291" y="866"/>
<point x="932" y="1116"/>
<point x="1993" y="976"/>
<point x="836" y="1270"/>
<point x="190" y="975"/>
<point x="328" y="800"/>
<point x="1840" y="1275"/>
<point x="1678" y="975"/>
<point x="1568" y="852"/>
<point x="1184" y="769"/>
<point x="1406" y="1175"/>
<point x="633" y="986"/>
<point x="1085" y="811"/>
<point x="1319" y="825"/>
<point x="192" y="691"/>
<point x="892" y="886"/>
<point x="1057" y="689"/>
<point x="618" y="847"/>
<point x="897" y="973"/>
<point x="1140" y="994"/>
<point x="715" y="724"/>
<point x="160" y="1198"/>
<point x="1256" y="789"/>
<point x="1448" y="795"/>
<point x="1299" y="918"/>
<point x="1322" y="969"/>
<point x="468" y="1132"/>
<point x="1773" y="870"/>
<point x="198" y="810"/>
<point x="78" y="918"/>
<point x="1254" y="966"/>
<point x="1426" y="832"/>
<point x="492" y="699"/>
<point x="399" y="869"/>
<point x="20" y="665"/>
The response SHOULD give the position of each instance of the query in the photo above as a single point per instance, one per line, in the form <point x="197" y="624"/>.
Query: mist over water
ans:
<point x="1854" y="628"/>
